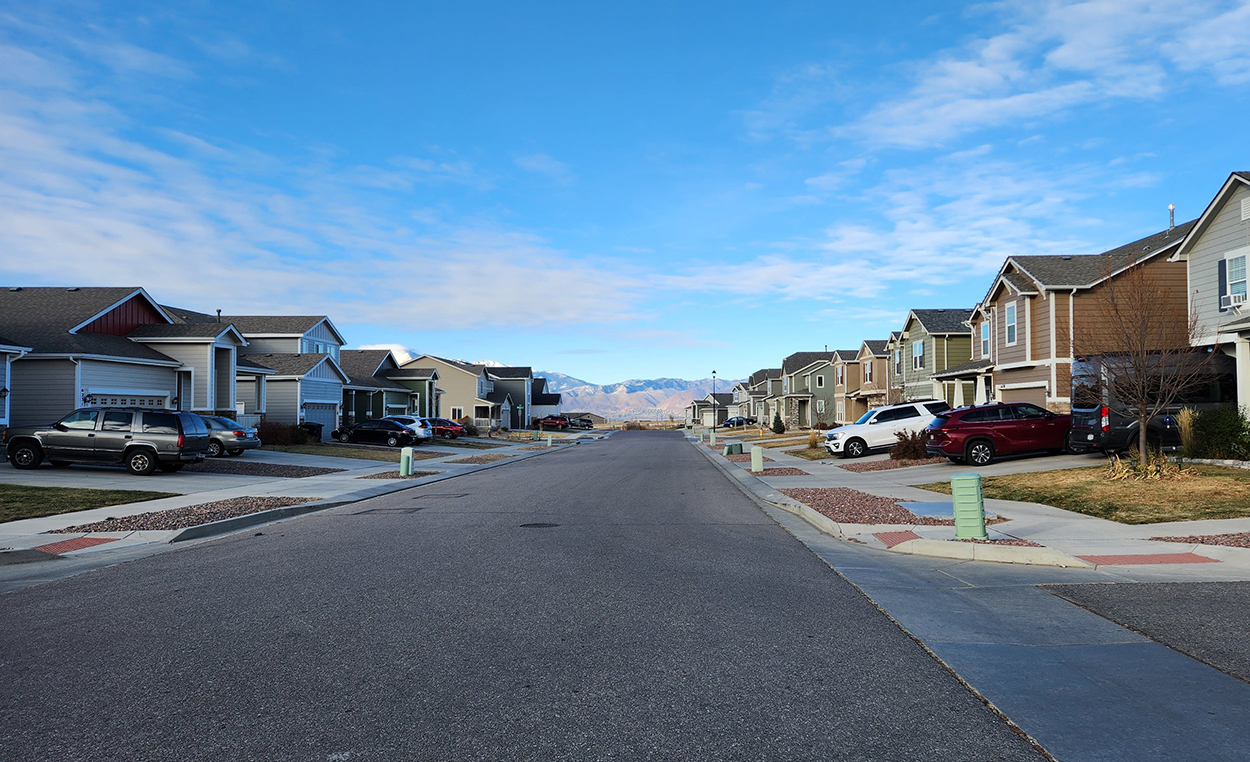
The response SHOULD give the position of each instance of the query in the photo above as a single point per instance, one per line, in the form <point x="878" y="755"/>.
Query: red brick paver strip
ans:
<point x="896" y="538"/>
<point x="78" y="543"/>
<point x="1148" y="558"/>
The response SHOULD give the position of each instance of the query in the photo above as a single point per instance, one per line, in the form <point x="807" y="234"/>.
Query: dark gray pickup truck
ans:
<point x="142" y="439"/>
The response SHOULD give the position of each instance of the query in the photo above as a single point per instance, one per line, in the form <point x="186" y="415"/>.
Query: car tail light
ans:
<point x="181" y="438"/>
<point x="240" y="434"/>
<point x="1105" y="420"/>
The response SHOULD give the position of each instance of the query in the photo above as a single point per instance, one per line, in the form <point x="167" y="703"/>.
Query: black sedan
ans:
<point x="739" y="421"/>
<point x="389" y="433"/>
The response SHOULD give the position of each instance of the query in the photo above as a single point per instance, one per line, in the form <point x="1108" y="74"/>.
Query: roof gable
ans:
<point x="1235" y="180"/>
<point x="800" y="360"/>
<point x="941" y="321"/>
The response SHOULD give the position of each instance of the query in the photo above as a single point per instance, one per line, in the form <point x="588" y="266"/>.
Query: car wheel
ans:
<point x="234" y="453"/>
<point x="980" y="453"/>
<point x="170" y="468"/>
<point x="25" y="455"/>
<point x="215" y="450"/>
<point x="141" y="462"/>
<point x="345" y="438"/>
<point x="60" y="463"/>
<point x="855" y="448"/>
<point x="392" y="441"/>
<point x="453" y="436"/>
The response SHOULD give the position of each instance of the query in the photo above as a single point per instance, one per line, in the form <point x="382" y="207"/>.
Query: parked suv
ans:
<point x="977" y="435"/>
<point x="878" y="428"/>
<point x="554" y="422"/>
<point x="143" y="439"/>
<point x="447" y="428"/>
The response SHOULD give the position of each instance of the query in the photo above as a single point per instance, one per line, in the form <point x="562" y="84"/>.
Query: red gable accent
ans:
<point x="124" y="318"/>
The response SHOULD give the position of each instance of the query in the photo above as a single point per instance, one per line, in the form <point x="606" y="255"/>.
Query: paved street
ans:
<point x="663" y="617"/>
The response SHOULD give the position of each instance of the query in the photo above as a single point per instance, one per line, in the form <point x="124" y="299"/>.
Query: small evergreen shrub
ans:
<point x="778" y="426"/>
<point x="1221" y="432"/>
<point x="910" y="446"/>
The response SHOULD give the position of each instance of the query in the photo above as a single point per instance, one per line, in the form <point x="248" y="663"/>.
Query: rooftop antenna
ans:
<point x="218" y="316"/>
<point x="826" y="347"/>
<point x="1171" y="217"/>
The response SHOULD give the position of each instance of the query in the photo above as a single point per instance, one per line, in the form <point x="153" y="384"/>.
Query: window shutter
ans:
<point x="1223" y="270"/>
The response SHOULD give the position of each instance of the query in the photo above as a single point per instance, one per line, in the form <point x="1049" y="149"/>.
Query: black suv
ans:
<point x="143" y="439"/>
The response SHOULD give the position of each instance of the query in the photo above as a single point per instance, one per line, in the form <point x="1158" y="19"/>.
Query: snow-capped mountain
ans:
<point x="645" y="398"/>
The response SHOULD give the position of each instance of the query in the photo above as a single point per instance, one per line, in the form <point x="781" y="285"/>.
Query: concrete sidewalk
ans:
<point x="1091" y="540"/>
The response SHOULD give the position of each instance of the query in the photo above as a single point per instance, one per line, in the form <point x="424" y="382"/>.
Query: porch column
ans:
<point x="1243" y="374"/>
<point x="959" y="393"/>
<point x="979" y="397"/>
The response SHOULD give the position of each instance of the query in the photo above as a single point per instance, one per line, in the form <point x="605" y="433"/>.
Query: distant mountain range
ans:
<point x="648" y="399"/>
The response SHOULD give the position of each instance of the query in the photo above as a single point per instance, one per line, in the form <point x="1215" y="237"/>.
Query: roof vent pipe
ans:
<point x="218" y="316"/>
<point x="1171" y="217"/>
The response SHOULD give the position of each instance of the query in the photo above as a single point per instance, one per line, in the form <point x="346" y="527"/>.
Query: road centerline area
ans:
<point x="666" y="617"/>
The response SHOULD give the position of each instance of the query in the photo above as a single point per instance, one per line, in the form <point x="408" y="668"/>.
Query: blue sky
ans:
<point x="611" y="191"/>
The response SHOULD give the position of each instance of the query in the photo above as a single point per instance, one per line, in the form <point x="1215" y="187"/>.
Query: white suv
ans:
<point x="878" y="428"/>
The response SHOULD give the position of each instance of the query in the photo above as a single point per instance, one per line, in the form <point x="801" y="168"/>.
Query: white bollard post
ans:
<point x="548" y="440"/>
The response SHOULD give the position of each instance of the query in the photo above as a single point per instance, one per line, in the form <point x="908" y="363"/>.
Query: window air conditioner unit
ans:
<point x="1232" y="300"/>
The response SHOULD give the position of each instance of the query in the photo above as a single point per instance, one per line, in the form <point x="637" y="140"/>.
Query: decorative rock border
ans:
<point x="1242" y="464"/>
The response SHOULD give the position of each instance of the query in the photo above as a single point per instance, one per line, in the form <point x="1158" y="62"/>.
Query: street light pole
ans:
<point x="714" y="411"/>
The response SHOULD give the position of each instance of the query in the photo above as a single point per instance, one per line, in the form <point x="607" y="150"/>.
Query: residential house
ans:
<point x="422" y="384"/>
<point x="873" y="360"/>
<point x="543" y="401"/>
<point x="712" y="409"/>
<point x="933" y="341"/>
<point x="1216" y="251"/>
<point x="757" y="392"/>
<point x="8" y="353"/>
<point x="741" y="404"/>
<point x="468" y="392"/>
<point x="894" y="368"/>
<point x="369" y="391"/>
<point x="1030" y="321"/>
<point x="806" y="385"/>
<point x="518" y="382"/>
<point x="109" y="346"/>
<point x="771" y="401"/>
<point x="303" y="350"/>
<point x="846" y="379"/>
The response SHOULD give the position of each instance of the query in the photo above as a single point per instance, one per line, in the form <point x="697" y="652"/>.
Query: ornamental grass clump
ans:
<point x="1185" y="421"/>
<point x="1156" y="467"/>
<point x="813" y="440"/>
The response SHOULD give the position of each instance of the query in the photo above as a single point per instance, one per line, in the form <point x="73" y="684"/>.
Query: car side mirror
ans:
<point x="873" y="421"/>
<point x="60" y="427"/>
<point x="1050" y="416"/>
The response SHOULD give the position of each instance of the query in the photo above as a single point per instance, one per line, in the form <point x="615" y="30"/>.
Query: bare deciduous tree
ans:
<point x="1143" y="335"/>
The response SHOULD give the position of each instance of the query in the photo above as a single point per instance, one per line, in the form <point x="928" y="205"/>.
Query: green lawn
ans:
<point x="1208" y="492"/>
<point x="347" y="451"/>
<point x="22" y="502"/>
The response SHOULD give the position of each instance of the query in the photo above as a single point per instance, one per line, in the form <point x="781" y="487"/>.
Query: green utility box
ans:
<point x="757" y="459"/>
<point x="969" y="507"/>
<point x="733" y="449"/>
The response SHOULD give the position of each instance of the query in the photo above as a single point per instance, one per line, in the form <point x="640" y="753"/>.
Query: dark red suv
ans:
<point x="447" y="428"/>
<point x="978" y="434"/>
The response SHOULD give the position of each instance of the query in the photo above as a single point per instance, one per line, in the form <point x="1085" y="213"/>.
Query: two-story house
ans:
<point x="544" y="402"/>
<point x="874" y="377"/>
<point x="370" y="392"/>
<point x="845" y="383"/>
<point x="306" y="385"/>
<point x="80" y="346"/>
<point x="468" y="392"/>
<point x="894" y="368"/>
<point x="518" y="383"/>
<point x="805" y="378"/>
<point x="1216" y="251"/>
<point x="1037" y="309"/>
<point x="757" y="392"/>
<point x="933" y="341"/>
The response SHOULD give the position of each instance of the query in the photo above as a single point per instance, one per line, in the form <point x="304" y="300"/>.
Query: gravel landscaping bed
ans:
<point x="854" y="507"/>
<point x="190" y="516"/>
<point x="746" y="458"/>
<point x="783" y="471"/>
<point x="477" y="460"/>
<point x="1016" y="542"/>
<point x="395" y="475"/>
<point x="886" y="465"/>
<point x="1233" y="540"/>
<point x="253" y="468"/>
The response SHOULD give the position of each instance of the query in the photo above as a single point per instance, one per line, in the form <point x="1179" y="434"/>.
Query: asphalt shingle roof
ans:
<point x="802" y="360"/>
<point x="722" y="398"/>
<point x="243" y="362"/>
<point x="179" y="331"/>
<point x="40" y="318"/>
<point x="943" y="321"/>
<point x="523" y="371"/>
<point x="421" y="374"/>
<point x="963" y="368"/>
<point x="1088" y="269"/>
<point x="359" y="365"/>
<point x="1022" y="283"/>
<point x="876" y="346"/>
<point x="499" y="396"/>
<point x="845" y="355"/>
<point x="545" y="399"/>
<point x="290" y="363"/>
<point x="763" y="374"/>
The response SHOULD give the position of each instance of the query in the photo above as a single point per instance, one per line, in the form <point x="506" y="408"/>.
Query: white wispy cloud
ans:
<point x="543" y="164"/>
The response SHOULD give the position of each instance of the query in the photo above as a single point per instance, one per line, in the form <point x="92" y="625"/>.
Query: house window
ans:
<point x="457" y="413"/>
<point x="917" y="355"/>
<point x="1236" y="279"/>
<point x="868" y="372"/>
<point x="898" y="362"/>
<point x="820" y="382"/>
<point x="807" y="382"/>
<point x="785" y="385"/>
<point x="1011" y="324"/>
<point x="841" y="410"/>
<point x="820" y="406"/>
<point x="985" y="340"/>
<point x="841" y="375"/>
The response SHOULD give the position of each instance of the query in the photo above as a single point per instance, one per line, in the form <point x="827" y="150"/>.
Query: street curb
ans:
<point x="25" y="556"/>
<point x="966" y="551"/>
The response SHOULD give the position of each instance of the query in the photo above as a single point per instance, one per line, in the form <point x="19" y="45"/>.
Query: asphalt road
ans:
<point x="1207" y="620"/>
<point x="665" y="617"/>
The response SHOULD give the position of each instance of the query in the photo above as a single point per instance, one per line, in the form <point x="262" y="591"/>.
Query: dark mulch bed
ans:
<point x="1233" y="540"/>
<point x="1016" y="542"/>
<point x="745" y="458"/>
<point x="395" y="475"/>
<point x="783" y="471"/>
<point x="190" y="516"/>
<point x="887" y="465"/>
<point x="490" y="457"/>
<point x="254" y="468"/>
<point x="854" y="507"/>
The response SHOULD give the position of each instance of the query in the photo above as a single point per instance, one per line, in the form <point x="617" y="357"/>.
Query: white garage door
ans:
<point x="323" y="414"/>
<point x="129" y="400"/>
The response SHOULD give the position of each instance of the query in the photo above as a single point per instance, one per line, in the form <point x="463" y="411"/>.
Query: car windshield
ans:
<point x="864" y="418"/>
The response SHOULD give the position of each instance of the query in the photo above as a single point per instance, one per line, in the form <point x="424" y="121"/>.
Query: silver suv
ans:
<point x="142" y="439"/>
